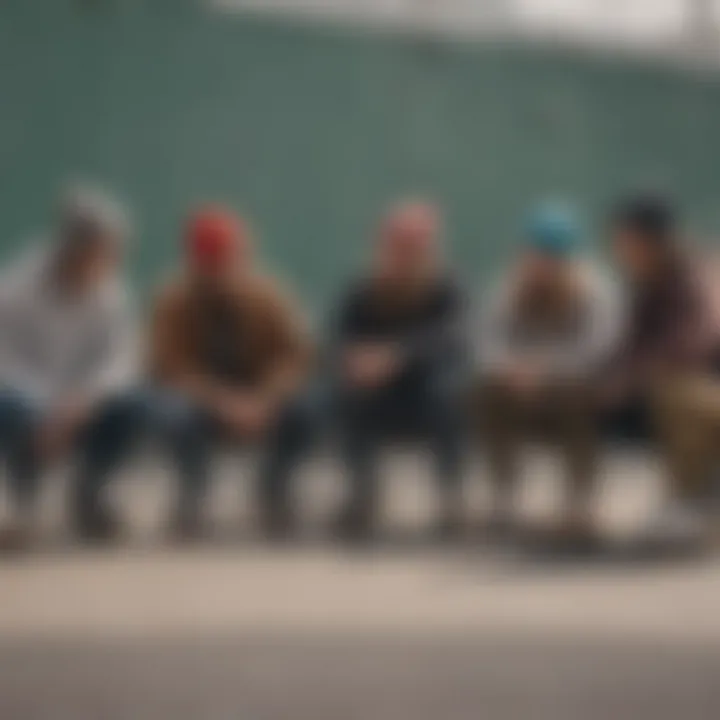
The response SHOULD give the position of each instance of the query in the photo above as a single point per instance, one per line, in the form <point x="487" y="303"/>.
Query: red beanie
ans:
<point x="214" y="238"/>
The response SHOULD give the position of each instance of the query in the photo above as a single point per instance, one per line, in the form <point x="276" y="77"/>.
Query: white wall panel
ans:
<point x="633" y="21"/>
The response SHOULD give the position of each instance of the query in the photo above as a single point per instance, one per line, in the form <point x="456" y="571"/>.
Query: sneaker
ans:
<point x="15" y="537"/>
<point x="502" y="526"/>
<point x="354" y="525"/>
<point x="97" y="525"/>
<point x="448" y="527"/>
<point x="278" y="524"/>
<point x="186" y="527"/>
<point x="576" y="534"/>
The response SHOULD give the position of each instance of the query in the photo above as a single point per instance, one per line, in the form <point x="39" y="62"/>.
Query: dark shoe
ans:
<point x="278" y="524"/>
<point x="97" y="525"/>
<point x="354" y="525"/>
<point x="186" y="527"/>
<point x="15" y="538"/>
<point x="713" y="534"/>
<point x="449" y="526"/>
<point x="575" y="535"/>
<point x="499" y="527"/>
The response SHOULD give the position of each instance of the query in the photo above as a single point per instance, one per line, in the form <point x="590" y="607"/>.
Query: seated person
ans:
<point x="661" y="377"/>
<point x="545" y="332"/>
<point x="229" y="355"/>
<point x="399" y="358"/>
<point x="67" y="356"/>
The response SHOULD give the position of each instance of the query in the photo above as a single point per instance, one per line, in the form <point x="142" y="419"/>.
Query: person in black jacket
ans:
<point x="399" y="357"/>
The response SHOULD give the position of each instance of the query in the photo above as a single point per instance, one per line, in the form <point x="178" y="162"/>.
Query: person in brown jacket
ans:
<point x="656" y="384"/>
<point x="229" y="356"/>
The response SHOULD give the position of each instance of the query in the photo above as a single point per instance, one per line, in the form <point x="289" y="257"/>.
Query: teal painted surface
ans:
<point x="311" y="132"/>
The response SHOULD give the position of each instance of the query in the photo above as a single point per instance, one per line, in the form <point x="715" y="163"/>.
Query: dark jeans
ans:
<point x="426" y="404"/>
<point x="191" y="434"/>
<point x="101" y="445"/>
<point x="630" y="423"/>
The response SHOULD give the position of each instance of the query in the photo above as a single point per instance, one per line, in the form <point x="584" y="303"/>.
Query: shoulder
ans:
<point x="501" y="290"/>
<point x="602" y="292"/>
<point x="449" y="290"/>
<point x="263" y="290"/>
<point x="700" y="284"/>
<point x="24" y="271"/>
<point x="268" y="300"/>
<point x="171" y="294"/>
<point x="356" y="294"/>
<point x="116" y="294"/>
<point x="595" y="278"/>
<point x="359" y="287"/>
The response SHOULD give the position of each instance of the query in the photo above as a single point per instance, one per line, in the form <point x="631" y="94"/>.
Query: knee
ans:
<point x="305" y="415"/>
<point x="116" y="419"/>
<point x="18" y="412"/>
<point x="129" y="410"/>
<point x="173" y="416"/>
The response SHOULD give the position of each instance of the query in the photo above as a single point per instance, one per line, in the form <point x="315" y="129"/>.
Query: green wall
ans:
<point x="312" y="131"/>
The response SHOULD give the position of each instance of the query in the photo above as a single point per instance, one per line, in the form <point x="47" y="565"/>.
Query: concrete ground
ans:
<point x="234" y="629"/>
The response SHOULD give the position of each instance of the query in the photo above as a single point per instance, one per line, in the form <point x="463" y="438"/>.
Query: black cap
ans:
<point x="649" y="215"/>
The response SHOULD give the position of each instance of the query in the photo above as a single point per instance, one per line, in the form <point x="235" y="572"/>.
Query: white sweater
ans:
<point x="53" y="346"/>
<point x="577" y="354"/>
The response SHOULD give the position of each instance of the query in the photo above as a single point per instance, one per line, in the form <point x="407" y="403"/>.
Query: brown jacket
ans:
<point x="249" y="338"/>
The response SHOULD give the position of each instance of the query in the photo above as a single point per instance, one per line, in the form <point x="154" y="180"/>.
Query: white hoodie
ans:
<point x="53" y="346"/>
<point x="577" y="354"/>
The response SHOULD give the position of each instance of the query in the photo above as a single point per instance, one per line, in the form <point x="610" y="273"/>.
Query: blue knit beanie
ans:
<point x="553" y="229"/>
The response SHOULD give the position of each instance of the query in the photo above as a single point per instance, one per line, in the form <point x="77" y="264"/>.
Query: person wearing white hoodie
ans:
<point x="67" y="361"/>
<point x="546" y="333"/>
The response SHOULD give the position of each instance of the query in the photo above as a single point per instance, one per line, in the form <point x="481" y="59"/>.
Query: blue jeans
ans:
<point x="190" y="434"/>
<point x="102" y="444"/>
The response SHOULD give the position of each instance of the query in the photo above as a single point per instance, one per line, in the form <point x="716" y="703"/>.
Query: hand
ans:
<point x="372" y="365"/>
<point x="62" y="425"/>
<point x="245" y="414"/>
<point x="613" y="393"/>
<point x="523" y="379"/>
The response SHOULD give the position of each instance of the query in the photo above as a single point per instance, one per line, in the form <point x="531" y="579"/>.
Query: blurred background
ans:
<point x="309" y="115"/>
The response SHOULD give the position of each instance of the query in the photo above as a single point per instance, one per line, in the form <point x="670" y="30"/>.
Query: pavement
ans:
<point x="405" y="629"/>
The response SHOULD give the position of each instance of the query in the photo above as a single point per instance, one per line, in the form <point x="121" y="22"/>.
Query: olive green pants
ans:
<point x="687" y="411"/>
<point x="561" y="415"/>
